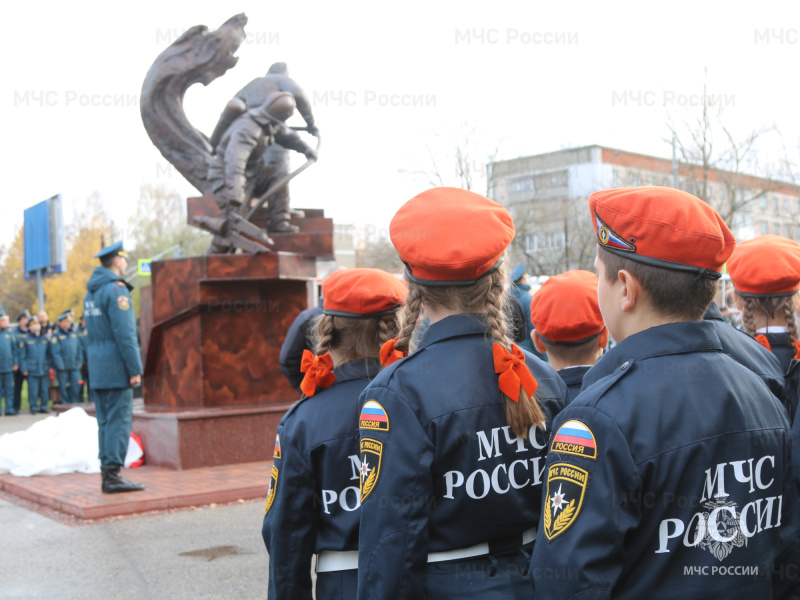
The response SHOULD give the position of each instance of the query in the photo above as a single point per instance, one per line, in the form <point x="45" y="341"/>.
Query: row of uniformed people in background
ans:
<point x="30" y="353"/>
<point x="468" y="467"/>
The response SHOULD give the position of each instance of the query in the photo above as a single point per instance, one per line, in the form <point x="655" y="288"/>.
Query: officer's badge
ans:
<point x="609" y="239"/>
<point x="273" y="483"/>
<point x="277" y="452"/>
<point x="373" y="417"/>
<point x="573" y="437"/>
<point x="123" y="302"/>
<point x="566" y="486"/>
<point x="371" y="452"/>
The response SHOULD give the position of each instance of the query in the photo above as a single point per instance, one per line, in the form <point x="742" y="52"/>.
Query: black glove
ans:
<point x="312" y="129"/>
<point x="310" y="154"/>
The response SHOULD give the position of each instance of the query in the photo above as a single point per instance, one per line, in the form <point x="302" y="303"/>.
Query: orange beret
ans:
<point x="362" y="293"/>
<point x="662" y="227"/>
<point x="565" y="309"/>
<point x="450" y="236"/>
<point x="768" y="265"/>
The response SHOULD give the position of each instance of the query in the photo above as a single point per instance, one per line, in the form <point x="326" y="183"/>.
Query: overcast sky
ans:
<point x="530" y="76"/>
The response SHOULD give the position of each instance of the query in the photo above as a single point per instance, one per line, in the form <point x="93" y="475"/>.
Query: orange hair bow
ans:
<point x="762" y="339"/>
<point x="797" y="348"/>
<point x="390" y="353"/>
<point x="318" y="370"/>
<point x="513" y="371"/>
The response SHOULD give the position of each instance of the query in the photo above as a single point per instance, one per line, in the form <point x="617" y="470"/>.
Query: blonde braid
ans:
<point x="387" y="326"/>
<point x="791" y="324"/>
<point x="524" y="411"/>
<point x="748" y="315"/>
<point x="409" y="316"/>
<point x="324" y="334"/>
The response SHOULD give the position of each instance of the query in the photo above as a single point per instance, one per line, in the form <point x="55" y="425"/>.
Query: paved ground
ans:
<point x="200" y="553"/>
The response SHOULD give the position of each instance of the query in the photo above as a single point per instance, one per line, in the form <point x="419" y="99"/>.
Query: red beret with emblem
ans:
<point x="768" y="265"/>
<point x="565" y="309"/>
<point x="662" y="227"/>
<point x="450" y="236"/>
<point x="362" y="293"/>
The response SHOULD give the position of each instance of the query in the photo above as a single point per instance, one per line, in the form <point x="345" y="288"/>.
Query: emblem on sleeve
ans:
<point x="273" y="483"/>
<point x="371" y="452"/>
<point x="123" y="302"/>
<point x="566" y="487"/>
<point x="277" y="452"/>
<point x="573" y="437"/>
<point x="373" y="417"/>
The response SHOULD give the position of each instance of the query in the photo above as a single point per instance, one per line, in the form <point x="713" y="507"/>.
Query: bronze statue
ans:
<point x="244" y="164"/>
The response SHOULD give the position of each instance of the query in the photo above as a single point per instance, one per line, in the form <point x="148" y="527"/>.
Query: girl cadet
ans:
<point x="453" y="437"/>
<point x="313" y="502"/>
<point x="766" y="276"/>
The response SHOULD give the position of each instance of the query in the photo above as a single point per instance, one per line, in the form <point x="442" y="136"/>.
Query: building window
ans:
<point x="786" y="204"/>
<point x="764" y="227"/>
<point x="762" y="202"/>
<point x="776" y="203"/>
<point x="776" y="229"/>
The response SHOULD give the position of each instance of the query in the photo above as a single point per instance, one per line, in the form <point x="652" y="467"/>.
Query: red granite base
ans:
<point x="208" y="437"/>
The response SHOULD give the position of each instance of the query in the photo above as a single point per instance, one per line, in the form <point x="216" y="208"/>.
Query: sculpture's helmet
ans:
<point x="280" y="106"/>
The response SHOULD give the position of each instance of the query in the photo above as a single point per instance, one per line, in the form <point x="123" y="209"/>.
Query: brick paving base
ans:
<point x="79" y="495"/>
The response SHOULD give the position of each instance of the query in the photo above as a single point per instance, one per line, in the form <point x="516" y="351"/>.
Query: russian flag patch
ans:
<point x="373" y="416"/>
<point x="574" y="437"/>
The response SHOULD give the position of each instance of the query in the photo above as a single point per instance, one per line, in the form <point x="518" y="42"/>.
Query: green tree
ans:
<point x="17" y="293"/>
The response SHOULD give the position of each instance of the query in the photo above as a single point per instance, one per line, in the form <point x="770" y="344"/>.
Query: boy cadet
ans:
<point x="36" y="359"/>
<point x="670" y="474"/>
<point x="115" y="364"/>
<point x="9" y="364"/>
<point x="68" y="358"/>
<point x="568" y="326"/>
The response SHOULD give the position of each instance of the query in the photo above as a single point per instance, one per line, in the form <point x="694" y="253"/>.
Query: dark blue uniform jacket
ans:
<point x="573" y="377"/>
<point x="781" y="348"/>
<point x="113" y="350"/>
<point x="8" y="351"/>
<point x="36" y="355"/>
<point x="745" y="350"/>
<point x="67" y="350"/>
<point x="314" y="499"/>
<point x="443" y="470"/>
<point x="669" y="476"/>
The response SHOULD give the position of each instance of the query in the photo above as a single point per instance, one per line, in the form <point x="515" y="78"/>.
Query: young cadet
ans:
<point x="9" y="364"/>
<point x="669" y="476"/>
<point x="35" y="362"/>
<point x="313" y="500"/>
<point x="453" y="437"/>
<point x="68" y="358"/>
<point x="766" y="276"/>
<point x="567" y="324"/>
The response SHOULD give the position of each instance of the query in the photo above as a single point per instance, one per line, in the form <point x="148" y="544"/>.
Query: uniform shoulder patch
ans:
<point x="566" y="488"/>
<point x="54" y="340"/>
<point x="574" y="437"/>
<point x="370" y="452"/>
<point x="277" y="452"/>
<point x="373" y="416"/>
<point x="273" y="484"/>
<point x="123" y="302"/>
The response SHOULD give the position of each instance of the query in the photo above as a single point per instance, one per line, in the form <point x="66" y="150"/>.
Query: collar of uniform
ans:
<point x="573" y="375"/>
<point x="662" y="340"/>
<point x="359" y="368"/>
<point x="713" y="313"/>
<point x="454" y="326"/>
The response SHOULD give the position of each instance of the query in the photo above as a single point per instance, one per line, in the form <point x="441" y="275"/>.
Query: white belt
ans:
<point x="331" y="560"/>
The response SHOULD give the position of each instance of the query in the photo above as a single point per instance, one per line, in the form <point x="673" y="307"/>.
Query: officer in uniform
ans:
<point x="670" y="474"/>
<point x="9" y="364"/>
<point x="313" y="501"/>
<point x="83" y="336"/>
<point x="36" y="360"/>
<point x="115" y="364"/>
<point x="568" y="326"/>
<point x="453" y="437"/>
<point x="20" y="334"/>
<point x="68" y="358"/>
